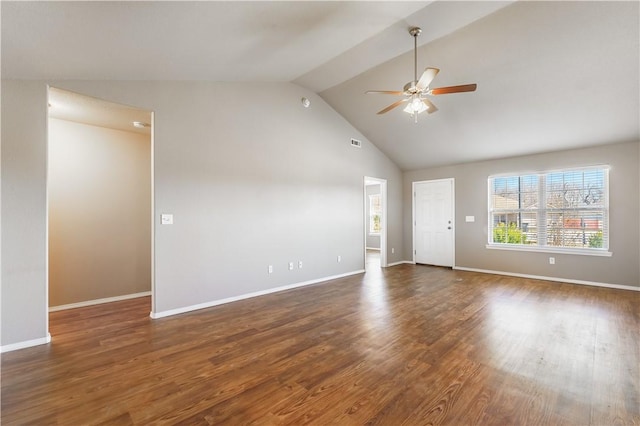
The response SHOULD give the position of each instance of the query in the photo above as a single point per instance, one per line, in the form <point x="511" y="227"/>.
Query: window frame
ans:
<point x="542" y="196"/>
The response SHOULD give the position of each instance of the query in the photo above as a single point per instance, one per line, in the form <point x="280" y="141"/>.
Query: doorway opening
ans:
<point x="99" y="201"/>
<point x="375" y="223"/>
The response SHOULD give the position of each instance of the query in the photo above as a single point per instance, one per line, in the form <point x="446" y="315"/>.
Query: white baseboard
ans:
<point x="98" y="301"/>
<point x="400" y="263"/>
<point x="25" y="344"/>
<point x="156" y="315"/>
<point x="560" y="280"/>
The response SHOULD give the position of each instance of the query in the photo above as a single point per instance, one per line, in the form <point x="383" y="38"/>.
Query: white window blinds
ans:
<point x="567" y="208"/>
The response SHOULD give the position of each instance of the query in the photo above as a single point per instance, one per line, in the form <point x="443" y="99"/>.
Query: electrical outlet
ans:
<point x="271" y="269"/>
<point x="339" y="258"/>
<point x="393" y="250"/>
<point x="552" y="261"/>
<point x="291" y="266"/>
<point x="299" y="264"/>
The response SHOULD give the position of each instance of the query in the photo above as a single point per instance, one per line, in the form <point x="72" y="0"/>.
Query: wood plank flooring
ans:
<point x="408" y="345"/>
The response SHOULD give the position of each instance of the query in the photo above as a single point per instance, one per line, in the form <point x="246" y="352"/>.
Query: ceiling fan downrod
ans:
<point x="415" y="32"/>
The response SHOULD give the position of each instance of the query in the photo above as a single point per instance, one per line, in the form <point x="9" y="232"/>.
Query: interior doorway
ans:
<point x="375" y="223"/>
<point x="433" y="222"/>
<point x="99" y="201"/>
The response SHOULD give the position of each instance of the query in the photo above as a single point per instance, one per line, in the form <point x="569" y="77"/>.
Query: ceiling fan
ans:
<point x="415" y="92"/>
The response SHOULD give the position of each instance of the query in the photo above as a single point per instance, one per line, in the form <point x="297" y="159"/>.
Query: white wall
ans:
<point x="24" y="132"/>
<point x="471" y="200"/>
<point x="99" y="212"/>
<point x="251" y="176"/>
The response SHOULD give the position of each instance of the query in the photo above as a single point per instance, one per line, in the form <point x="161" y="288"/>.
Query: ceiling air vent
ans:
<point x="356" y="143"/>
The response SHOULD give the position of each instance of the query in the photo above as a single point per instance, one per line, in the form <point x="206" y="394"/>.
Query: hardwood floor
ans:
<point x="411" y="345"/>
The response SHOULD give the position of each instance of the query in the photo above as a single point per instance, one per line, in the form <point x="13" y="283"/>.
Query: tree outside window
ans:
<point x="566" y="208"/>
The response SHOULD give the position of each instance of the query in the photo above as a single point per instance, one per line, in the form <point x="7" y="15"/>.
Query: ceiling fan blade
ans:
<point x="426" y="78"/>
<point x="431" y="108"/>
<point x="385" y="92"/>
<point x="393" y="105"/>
<point x="453" y="89"/>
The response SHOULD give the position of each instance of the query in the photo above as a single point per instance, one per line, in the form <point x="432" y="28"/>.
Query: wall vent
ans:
<point x="356" y="143"/>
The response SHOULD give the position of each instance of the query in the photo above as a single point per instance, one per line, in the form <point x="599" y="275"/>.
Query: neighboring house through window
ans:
<point x="566" y="210"/>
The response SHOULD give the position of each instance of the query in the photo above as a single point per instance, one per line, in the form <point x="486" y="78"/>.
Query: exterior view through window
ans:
<point x="375" y="212"/>
<point x="560" y="209"/>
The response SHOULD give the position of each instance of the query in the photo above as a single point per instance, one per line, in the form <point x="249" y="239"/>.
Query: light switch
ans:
<point x="469" y="218"/>
<point x="166" y="219"/>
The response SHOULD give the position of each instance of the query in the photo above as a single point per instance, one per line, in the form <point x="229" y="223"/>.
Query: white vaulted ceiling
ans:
<point x="200" y="40"/>
<point x="550" y="75"/>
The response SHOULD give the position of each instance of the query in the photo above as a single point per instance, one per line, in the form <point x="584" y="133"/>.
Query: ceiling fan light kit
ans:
<point x="416" y="106"/>
<point x="415" y="92"/>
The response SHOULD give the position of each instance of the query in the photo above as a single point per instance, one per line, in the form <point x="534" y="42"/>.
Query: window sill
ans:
<point x="374" y="234"/>
<point x="557" y="250"/>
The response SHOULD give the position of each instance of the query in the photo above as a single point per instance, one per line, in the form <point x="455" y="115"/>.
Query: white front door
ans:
<point x="433" y="222"/>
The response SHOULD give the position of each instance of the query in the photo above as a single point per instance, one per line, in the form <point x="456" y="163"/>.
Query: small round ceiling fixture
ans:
<point x="305" y="102"/>
<point x="140" y="124"/>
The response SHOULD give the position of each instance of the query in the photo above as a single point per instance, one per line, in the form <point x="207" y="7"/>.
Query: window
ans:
<point x="564" y="210"/>
<point x="375" y="214"/>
